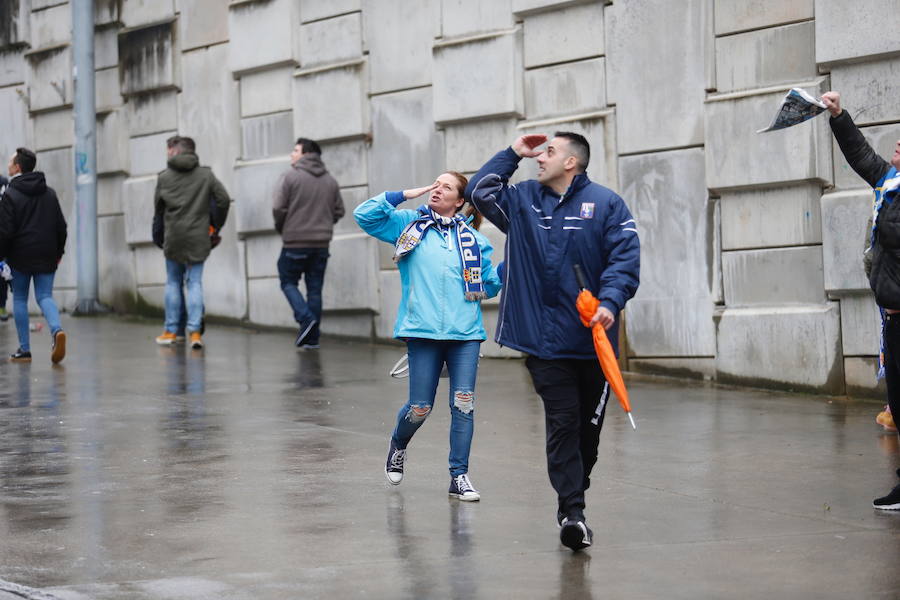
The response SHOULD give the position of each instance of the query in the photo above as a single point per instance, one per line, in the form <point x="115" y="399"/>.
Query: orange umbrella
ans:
<point x="587" y="304"/>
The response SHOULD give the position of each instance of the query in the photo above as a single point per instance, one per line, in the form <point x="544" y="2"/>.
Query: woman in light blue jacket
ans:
<point x="445" y="272"/>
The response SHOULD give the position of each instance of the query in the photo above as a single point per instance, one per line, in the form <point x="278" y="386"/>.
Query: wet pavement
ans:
<point x="253" y="471"/>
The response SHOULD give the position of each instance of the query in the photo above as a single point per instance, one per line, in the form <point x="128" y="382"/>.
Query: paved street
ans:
<point x="253" y="471"/>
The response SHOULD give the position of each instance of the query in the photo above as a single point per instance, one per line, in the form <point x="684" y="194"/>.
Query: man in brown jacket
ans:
<point x="307" y="204"/>
<point x="185" y="192"/>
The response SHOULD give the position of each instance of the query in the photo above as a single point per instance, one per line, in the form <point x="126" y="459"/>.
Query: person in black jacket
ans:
<point x="884" y="248"/>
<point x="4" y="285"/>
<point x="32" y="240"/>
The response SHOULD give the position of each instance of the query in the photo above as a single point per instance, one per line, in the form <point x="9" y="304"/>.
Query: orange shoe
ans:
<point x="886" y="419"/>
<point x="166" y="339"/>
<point x="196" y="342"/>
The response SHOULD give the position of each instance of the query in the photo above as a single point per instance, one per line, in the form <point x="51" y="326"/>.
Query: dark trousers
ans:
<point x="892" y="362"/>
<point x="309" y="264"/>
<point x="574" y="394"/>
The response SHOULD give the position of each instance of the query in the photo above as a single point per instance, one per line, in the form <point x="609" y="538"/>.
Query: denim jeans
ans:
<point x="309" y="263"/>
<point x="426" y="359"/>
<point x="43" y="295"/>
<point x="178" y="277"/>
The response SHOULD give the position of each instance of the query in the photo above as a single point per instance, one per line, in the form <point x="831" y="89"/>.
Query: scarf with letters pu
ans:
<point x="466" y="245"/>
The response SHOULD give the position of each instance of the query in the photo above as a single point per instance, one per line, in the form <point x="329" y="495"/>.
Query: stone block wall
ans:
<point x="751" y="243"/>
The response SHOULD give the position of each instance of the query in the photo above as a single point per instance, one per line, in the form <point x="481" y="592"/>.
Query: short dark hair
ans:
<point x="26" y="159"/>
<point x="173" y="141"/>
<point x="309" y="145"/>
<point x="581" y="150"/>
<point x="184" y="144"/>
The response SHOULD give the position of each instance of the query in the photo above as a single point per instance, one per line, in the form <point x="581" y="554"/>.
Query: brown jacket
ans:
<point x="307" y="204"/>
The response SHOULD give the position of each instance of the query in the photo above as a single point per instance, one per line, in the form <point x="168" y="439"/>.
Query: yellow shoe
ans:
<point x="196" y="342"/>
<point x="166" y="339"/>
<point x="886" y="419"/>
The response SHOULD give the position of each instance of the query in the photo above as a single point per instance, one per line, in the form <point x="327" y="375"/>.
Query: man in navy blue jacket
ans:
<point x="560" y="220"/>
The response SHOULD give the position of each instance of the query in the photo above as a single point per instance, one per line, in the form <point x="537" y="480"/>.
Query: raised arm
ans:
<point x="489" y="189"/>
<point x="380" y="218"/>
<point x="859" y="154"/>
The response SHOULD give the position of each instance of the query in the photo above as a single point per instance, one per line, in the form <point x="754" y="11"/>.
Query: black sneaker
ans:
<point x="303" y="334"/>
<point x="20" y="356"/>
<point x="889" y="502"/>
<point x="575" y="534"/>
<point x="462" y="488"/>
<point x="393" y="468"/>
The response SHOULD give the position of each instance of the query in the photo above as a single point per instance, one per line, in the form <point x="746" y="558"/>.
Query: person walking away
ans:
<point x="884" y="239"/>
<point x="553" y="223"/>
<point x="306" y="206"/>
<point x="445" y="273"/>
<point x="32" y="242"/>
<point x="183" y="195"/>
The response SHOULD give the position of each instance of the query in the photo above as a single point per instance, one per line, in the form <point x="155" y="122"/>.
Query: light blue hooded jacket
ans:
<point x="432" y="304"/>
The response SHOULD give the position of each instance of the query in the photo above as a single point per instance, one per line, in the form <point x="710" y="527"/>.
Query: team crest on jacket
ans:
<point x="587" y="210"/>
<point x="472" y="274"/>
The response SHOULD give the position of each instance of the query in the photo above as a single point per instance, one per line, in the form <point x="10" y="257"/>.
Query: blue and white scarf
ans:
<point x="466" y="245"/>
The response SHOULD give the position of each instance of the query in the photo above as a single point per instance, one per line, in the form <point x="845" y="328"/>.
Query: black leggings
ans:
<point x="892" y="362"/>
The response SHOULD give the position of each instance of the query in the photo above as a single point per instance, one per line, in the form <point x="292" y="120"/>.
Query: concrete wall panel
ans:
<point x="494" y="89"/>
<point x="766" y="57"/>
<point x="332" y="40"/>
<point x="262" y="255"/>
<point x="16" y="18"/>
<point x="202" y="23"/>
<point x="775" y="276"/>
<point x="564" y="35"/>
<point x="267" y="305"/>
<point x="150" y="267"/>
<point x="224" y="276"/>
<point x="115" y="267"/>
<point x="344" y="115"/>
<point x="58" y="167"/>
<point x="406" y="150"/>
<point x="524" y="7"/>
<point x="788" y="155"/>
<point x="137" y="204"/>
<point x="352" y="197"/>
<point x="848" y="30"/>
<point x="106" y="48"/>
<point x="254" y="184"/>
<point x="54" y="129"/>
<point x="845" y="235"/>
<point x="50" y="79"/>
<point x="398" y="47"/>
<point x="670" y="316"/>
<point x="467" y="17"/>
<point x="12" y="66"/>
<point x="267" y="136"/>
<point x="669" y="72"/>
<point x="18" y="128"/>
<point x="267" y="91"/>
<point x="263" y="33"/>
<point x="148" y="59"/>
<point x="208" y="110"/>
<point x="106" y="89"/>
<point x="142" y="12"/>
<point x="794" y="346"/>
<point x="860" y="325"/>
<point x="860" y="374"/>
<point x="51" y="27"/>
<point x="152" y="113"/>
<point x="882" y="138"/>
<point x="783" y="216"/>
<point x="313" y="10"/>
<point x="351" y="282"/>
<point x="470" y="145"/>
<point x="869" y="90"/>
<point x="112" y="143"/>
<point x="386" y="318"/>
<point x="566" y="89"/>
<point x="148" y="153"/>
<point x="107" y="12"/>
<point x="347" y="162"/>
<point x="109" y="194"/>
<point x="740" y="15"/>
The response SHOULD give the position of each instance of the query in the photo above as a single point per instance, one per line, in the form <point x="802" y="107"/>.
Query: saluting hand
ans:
<point x="525" y="145"/>
<point x="416" y="192"/>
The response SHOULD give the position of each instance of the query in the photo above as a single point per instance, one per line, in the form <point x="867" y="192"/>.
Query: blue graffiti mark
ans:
<point x="81" y="163"/>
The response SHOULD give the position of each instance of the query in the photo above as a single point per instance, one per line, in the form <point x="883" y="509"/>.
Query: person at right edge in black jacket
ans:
<point x="884" y="248"/>
<point x="32" y="241"/>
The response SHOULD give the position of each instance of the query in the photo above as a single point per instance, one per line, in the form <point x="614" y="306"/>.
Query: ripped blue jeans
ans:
<point x="426" y="360"/>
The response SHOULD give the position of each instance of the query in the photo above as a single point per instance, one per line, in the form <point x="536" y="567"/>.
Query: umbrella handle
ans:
<point x="579" y="276"/>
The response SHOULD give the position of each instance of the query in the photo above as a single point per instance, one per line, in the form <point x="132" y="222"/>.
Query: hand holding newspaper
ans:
<point x="796" y="107"/>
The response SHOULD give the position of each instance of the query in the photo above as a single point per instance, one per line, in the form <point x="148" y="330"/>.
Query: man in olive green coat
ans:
<point x="187" y="198"/>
